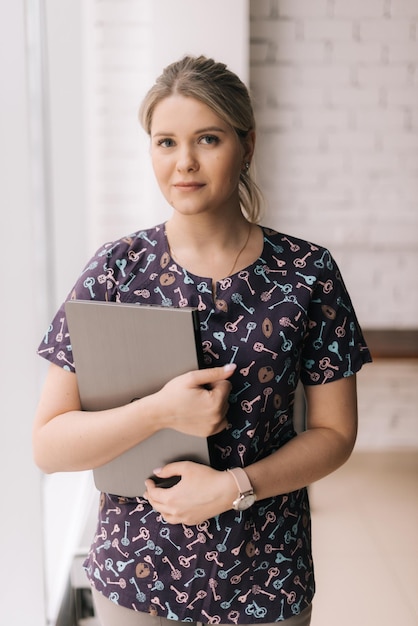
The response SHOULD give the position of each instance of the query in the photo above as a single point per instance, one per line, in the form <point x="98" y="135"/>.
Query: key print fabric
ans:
<point x="287" y="317"/>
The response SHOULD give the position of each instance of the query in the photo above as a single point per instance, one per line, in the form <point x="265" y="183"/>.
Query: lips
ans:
<point x="188" y="186"/>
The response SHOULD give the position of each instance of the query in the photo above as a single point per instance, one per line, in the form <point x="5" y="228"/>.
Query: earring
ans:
<point x="247" y="166"/>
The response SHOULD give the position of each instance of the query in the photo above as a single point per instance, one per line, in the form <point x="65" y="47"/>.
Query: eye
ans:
<point x="165" y="143"/>
<point x="209" y="140"/>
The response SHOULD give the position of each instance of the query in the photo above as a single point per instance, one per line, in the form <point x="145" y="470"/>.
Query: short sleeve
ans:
<point x="334" y="345"/>
<point x="96" y="282"/>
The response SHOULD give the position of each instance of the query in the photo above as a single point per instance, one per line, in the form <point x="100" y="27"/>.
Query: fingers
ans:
<point x="171" y="469"/>
<point x="213" y="375"/>
<point x="197" y="402"/>
<point x="200" y="494"/>
<point x="163" y="478"/>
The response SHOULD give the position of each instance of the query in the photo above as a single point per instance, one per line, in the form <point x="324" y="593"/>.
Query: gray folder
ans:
<point x="127" y="351"/>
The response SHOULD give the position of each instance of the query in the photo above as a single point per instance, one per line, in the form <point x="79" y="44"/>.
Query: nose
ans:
<point x="187" y="161"/>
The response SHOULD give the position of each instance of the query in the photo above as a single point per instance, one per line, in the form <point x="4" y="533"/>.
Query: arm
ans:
<point x="65" y="438"/>
<point x="322" y="448"/>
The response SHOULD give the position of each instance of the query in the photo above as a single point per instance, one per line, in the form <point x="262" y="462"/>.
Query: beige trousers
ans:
<point x="110" y="614"/>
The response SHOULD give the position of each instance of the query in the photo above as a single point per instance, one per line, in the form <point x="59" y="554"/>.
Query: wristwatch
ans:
<point x="246" y="496"/>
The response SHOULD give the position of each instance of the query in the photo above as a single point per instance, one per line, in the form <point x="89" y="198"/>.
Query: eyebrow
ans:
<point x="200" y="131"/>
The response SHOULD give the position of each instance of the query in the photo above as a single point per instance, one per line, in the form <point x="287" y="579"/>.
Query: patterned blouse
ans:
<point x="287" y="317"/>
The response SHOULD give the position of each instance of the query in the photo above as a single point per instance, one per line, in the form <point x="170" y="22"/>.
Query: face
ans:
<point x="196" y="156"/>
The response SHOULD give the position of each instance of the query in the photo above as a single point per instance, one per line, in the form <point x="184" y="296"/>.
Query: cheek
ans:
<point x="229" y="172"/>
<point x="161" y="170"/>
<point x="234" y="175"/>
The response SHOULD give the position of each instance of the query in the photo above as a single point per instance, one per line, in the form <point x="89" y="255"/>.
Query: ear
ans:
<point x="248" y="144"/>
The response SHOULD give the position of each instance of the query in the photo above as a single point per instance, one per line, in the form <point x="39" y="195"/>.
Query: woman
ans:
<point x="220" y="546"/>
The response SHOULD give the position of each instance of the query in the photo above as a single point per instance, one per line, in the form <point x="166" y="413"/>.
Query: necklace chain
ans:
<point x="241" y="251"/>
<point x="173" y="254"/>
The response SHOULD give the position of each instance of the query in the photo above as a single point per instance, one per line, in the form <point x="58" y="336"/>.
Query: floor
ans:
<point x="365" y="529"/>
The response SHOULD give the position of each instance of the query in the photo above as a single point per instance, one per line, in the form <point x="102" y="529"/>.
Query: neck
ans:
<point x="213" y="250"/>
<point x="201" y="234"/>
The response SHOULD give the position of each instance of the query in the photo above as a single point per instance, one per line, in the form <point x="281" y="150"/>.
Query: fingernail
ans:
<point x="229" y="367"/>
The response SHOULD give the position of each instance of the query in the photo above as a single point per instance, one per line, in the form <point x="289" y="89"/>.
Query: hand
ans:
<point x="196" y="403"/>
<point x="201" y="493"/>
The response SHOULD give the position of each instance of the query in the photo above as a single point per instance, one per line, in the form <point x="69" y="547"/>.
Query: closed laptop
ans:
<point x="123" y="352"/>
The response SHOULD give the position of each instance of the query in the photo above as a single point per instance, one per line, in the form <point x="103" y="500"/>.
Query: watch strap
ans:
<point x="243" y="482"/>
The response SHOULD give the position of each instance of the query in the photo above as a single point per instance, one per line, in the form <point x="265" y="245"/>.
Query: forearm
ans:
<point x="305" y="459"/>
<point x="78" y="440"/>
<point x="203" y="492"/>
<point x="68" y="439"/>
<point x="322" y="448"/>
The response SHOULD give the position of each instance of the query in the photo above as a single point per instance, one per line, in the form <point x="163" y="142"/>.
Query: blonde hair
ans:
<point x="220" y="89"/>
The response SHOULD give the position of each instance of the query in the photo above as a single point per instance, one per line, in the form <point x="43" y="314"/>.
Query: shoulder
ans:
<point x="132" y="244"/>
<point x="284" y="242"/>
<point x="116" y="262"/>
<point x="131" y="252"/>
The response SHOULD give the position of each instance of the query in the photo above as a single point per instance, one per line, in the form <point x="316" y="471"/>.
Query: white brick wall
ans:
<point x="336" y="94"/>
<point x="128" y="42"/>
<point x="388" y="401"/>
<point x="118" y="40"/>
<point x="335" y="88"/>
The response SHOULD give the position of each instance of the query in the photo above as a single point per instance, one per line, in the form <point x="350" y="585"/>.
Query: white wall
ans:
<point x="65" y="497"/>
<point x="21" y="574"/>
<point x="220" y="30"/>
<point x="130" y="44"/>
<point x="335" y="86"/>
<point x="336" y="93"/>
<point x="66" y="142"/>
<point x="388" y="400"/>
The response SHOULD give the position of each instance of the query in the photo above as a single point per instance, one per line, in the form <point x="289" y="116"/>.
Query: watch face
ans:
<point x="244" y="502"/>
